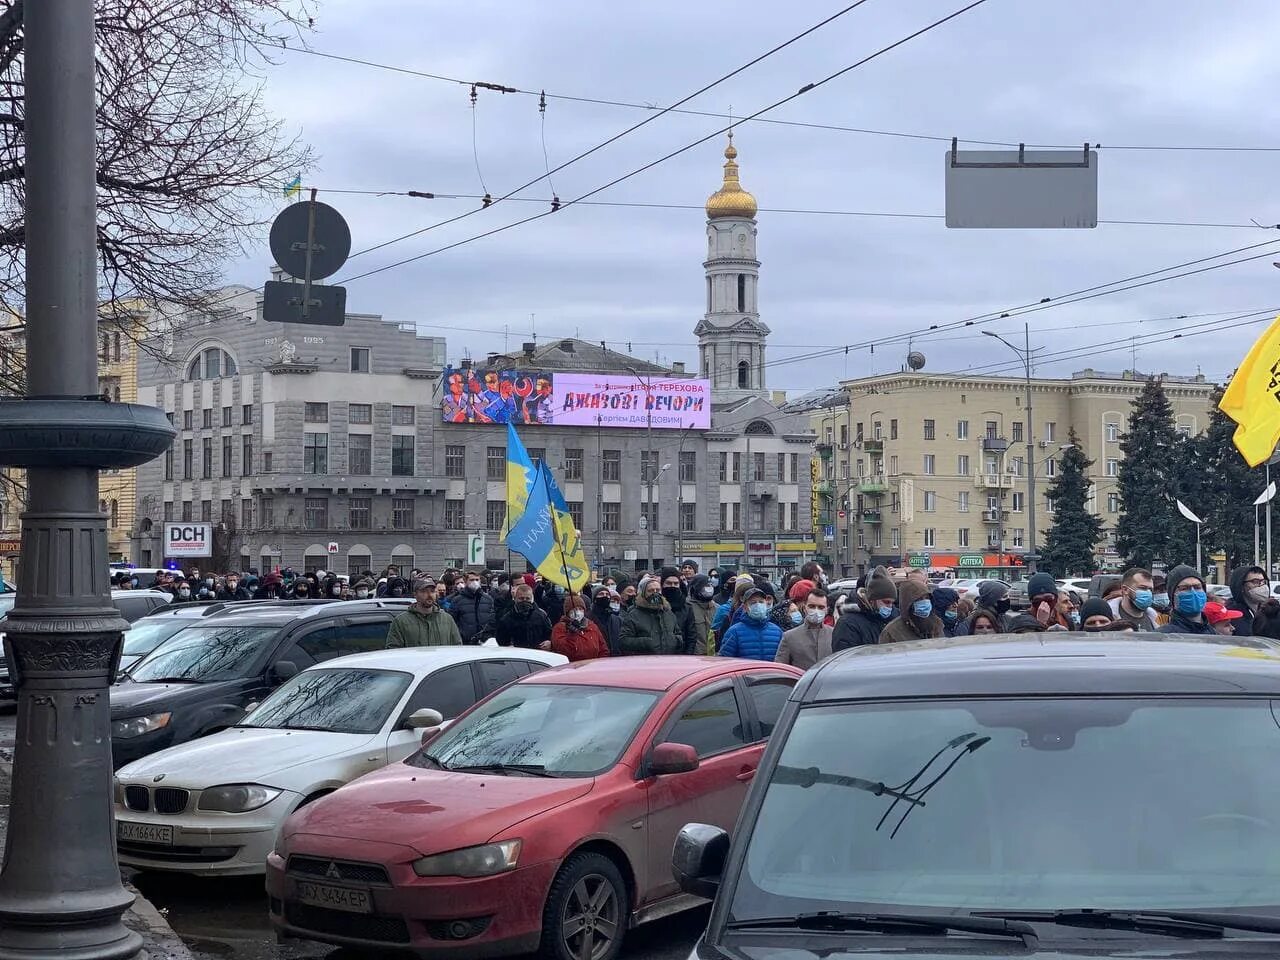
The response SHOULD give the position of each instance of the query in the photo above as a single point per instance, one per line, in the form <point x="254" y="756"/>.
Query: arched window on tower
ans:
<point x="708" y="294"/>
<point x="742" y="292"/>
<point x="744" y="375"/>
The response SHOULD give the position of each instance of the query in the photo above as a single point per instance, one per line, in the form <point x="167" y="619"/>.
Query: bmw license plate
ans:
<point x="332" y="897"/>
<point x="157" y="833"/>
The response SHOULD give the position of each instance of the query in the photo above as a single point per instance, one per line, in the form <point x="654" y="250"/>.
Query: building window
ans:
<point x="962" y="537"/>
<point x="455" y="514"/>
<point x="360" y="513"/>
<point x="736" y="476"/>
<point x="206" y="458"/>
<point x="1017" y="432"/>
<point x="724" y="466"/>
<point x="575" y="513"/>
<point x="1016" y="466"/>
<point x="206" y="418"/>
<point x="782" y="468"/>
<point x="930" y="537"/>
<point x="742" y="292"/>
<point x="844" y="435"/>
<point x="1113" y="467"/>
<point x="962" y="465"/>
<point x="929" y="430"/>
<point x="962" y="429"/>
<point x="226" y="416"/>
<point x="495" y="514"/>
<point x="246" y="514"/>
<point x="226" y="455"/>
<point x="930" y="501"/>
<point x="537" y="453"/>
<point x="186" y="511"/>
<point x="893" y="465"/>
<point x="225" y="515"/>
<point x="401" y="416"/>
<point x="360" y="413"/>
<point x="688" y="517"/>
<point x="495" y="465"/>
<point x="315" y="453"/>
<point x="402" y="513"/>
<point x="795" y="467"/>
<point x="708" y="294"/>
<point x="735" y="521"/>
<point x="267" y="511"/>
<point x="611" y="467"/>
<point x="359" y="454"/>
<point x="246" y="455"/>
<point x="315" y="412"/>
<point x="893" y="429"/>
<point x="744" y="375"/>
<point x="724" y="516"/>
<point x="782" y="516"/>
<point x="1050" y="429"/>
<point x="266" y="462"/>
<point x="206" y="510"/>
<point x="1113" y="432"/>
<point x="1051" y="468"/>
<point x="455" y="461"/>
<point x="1017" y="536"/>
<point x="1019" y="502"/>
<point x="992" y="429"/>
<point x="929" y="462"/>
<point x="168" y="464"/>
<point x="1113" y="503"/>
<point x="359" y="359"/>
<point x="186" y="419"/>
<point x="115" y="513"/>
<point x="895" y="539"/>
<point x="649" y="513"/>
<point x="1051" y="505"/>
<point x="402" y="456"/>
<point x="246" y="414"/>
<point x="688" y="466"/>
<point x="757" y="466"/>
<point x="611" y="517"/>
<point x="315" y="513"/>
<point x="962" y="501"/>
<point x="573" y="463"/>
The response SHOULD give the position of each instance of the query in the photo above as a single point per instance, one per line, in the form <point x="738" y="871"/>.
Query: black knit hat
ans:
<point x="1095" y="607"/>
<point x="881" y="588"/>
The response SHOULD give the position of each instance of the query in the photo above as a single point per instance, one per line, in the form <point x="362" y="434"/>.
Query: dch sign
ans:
<point x="188" y="539"/>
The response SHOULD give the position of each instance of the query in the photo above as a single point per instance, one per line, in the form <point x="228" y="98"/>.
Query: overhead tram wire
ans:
<point x="546" y="175"/>
<point x="675" y="153"/>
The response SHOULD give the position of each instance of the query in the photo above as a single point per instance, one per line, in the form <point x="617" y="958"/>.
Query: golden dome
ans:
<point x="731" y="200"/>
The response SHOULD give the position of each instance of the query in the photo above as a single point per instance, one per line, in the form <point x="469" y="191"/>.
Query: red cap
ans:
<point x="1216" y="613"/>
<point x="800" y="590"/>
<point x="529" y="579"/>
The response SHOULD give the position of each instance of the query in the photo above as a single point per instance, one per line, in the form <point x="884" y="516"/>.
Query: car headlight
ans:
<point x="137" y="726"/>
<point x="482" y="861"/>
<point x="237" y="797"/>
<point x="119" y="793"/>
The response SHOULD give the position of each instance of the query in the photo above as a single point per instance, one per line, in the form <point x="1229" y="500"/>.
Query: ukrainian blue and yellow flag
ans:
<point x="294" y="187"/>
<point x="1252" y="399"/>
<point x="545" y="536"/>
<point x="520" y="476"/>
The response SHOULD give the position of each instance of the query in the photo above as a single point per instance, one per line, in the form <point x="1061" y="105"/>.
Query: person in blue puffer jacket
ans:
<point x="755" y="636"/>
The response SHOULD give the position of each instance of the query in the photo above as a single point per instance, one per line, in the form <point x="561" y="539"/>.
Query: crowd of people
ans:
<point x="733" y="613"/>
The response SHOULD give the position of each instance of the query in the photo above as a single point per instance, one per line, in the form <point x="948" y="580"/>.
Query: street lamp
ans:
<point x="1186" y="512"/>
<point x="650" y="460"/>
<point x="1024" y="354"/>
<point x="1266" y="497"/>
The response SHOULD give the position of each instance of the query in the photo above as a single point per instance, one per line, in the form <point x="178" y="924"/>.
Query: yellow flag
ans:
<point x="1252" y="399"/>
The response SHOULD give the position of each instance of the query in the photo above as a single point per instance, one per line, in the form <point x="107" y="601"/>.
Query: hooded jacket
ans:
<point x="944" y="598"/>
<point x="650" y="630"/>
<point x="683" y="613"/>
<point x="471" y="612"/>
<point x="752" y="639"/>
<point x="1260" y="619"/>
<point x="1179" y="623"/>
<point x="858" y="627"/>
<point x="413" y="628"/>
<point x="908" y="626"/>
<point x="704" y="612"/>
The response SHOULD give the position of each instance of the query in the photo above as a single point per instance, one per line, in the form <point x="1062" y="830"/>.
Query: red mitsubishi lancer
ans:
<point x="543" y="819"/>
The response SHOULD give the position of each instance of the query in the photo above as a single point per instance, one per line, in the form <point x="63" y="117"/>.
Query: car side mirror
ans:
<point x="429" y="734"/>
<point x="698" y="858"/>
<point x="423" y="719"/>
<point x="283" y="670"/>
<point x="672" y="758"/>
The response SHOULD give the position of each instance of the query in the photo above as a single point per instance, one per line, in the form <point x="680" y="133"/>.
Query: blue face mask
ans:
<point x="922" y="608"/>
<point x="1160" y="601"/>
<point x="797" y="617"/>
<point x="1142" y="599"/>
<point x="951" y="616"/>
<point x="758" y="611"/>
<point x="1191" y="602"/>
<point x="886" y="613"/>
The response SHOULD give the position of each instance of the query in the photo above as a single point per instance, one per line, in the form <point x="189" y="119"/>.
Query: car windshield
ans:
<point x="147" y="634"/>
<point x="567" y="730"/>
<point x="974" y="805"/>
<point x="206" y="654"/>
<point x="339" y="701"/>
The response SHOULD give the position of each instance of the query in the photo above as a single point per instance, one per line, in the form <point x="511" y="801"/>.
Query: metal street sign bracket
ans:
<point x="1016" y="164"/>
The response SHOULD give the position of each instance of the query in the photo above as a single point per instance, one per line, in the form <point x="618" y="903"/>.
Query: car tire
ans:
<point x="588" y="898"/>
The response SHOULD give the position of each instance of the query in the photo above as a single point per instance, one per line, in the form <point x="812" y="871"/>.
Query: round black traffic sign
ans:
<point x="330" y="245"/>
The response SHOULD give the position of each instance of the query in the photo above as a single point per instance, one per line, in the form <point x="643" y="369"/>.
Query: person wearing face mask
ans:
<point x="1251" y="598"/>
<point x="673" y="593"/>
<point x="649" y="626"/>
<point x="524" y="625"/>
<point x="182" y="592"/>
<point x="1189" y="598"/>
<point x="302" y="589"/>
<point x="946" y="605"/>
<point x="628" y="596"/>
<point x="805" y="645"/>
<point x="1135" y="603"/>
<point x="501" y="594"/>
<point x="472" y="609"/>
<point x="576" y="636"/>
<point x="550" y="597"/>
<point x="232" y="589"/>
<point x="363" y="589"/>
<point x="702" y="603"/>
<point x="1161" y="602"/>
<point x="916" y="619"/>
<point x="755" y="636"/>
<point x="730" y="612"/>
<point x="424" y="624"/>
<point x="331" y="588"/>
<point x="604" y="613"/>
<point x="863" y="621"/>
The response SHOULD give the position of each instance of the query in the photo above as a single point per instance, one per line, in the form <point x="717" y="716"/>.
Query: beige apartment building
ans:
<point x="931" y="470"/>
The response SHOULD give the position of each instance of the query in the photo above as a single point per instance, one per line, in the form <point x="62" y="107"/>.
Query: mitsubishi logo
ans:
<point x="333" y="873"/>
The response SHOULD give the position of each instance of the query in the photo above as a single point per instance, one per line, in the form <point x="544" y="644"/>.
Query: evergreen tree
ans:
<point x="1070" y="542"/>
<point x="1228" y="509"/>
<point x="1149" y="526"/>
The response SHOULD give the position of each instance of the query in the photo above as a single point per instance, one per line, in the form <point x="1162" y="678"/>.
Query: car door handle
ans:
<point x="746" y="775"/>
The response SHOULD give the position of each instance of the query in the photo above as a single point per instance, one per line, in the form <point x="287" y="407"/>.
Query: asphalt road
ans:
<point x="227" y="919"/>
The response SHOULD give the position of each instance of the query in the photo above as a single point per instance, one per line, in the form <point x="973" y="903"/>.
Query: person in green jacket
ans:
<point x="649" y="626"/>
<point x="424" y="624"/>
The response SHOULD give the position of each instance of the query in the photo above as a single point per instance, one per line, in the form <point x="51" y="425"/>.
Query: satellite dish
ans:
<point x="1186" y="512"/>
<point x="915" y="360"/>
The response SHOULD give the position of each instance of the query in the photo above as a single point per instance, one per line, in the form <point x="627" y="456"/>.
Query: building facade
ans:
<point x="931" y="470"/>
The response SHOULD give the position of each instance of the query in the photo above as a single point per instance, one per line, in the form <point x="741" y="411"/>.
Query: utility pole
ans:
<point x="1024" y="354"/>
<point x="60" y="890"/>
<point x="651" y="465"/>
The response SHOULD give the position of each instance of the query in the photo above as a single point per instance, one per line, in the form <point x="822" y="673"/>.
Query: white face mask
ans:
<point x="615" y="607"/>
<point x="577" y="616"/>
<point x="362" y="593"/>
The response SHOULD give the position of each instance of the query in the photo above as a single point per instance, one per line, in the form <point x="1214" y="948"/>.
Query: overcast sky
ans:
<point x="1140" y="72"/>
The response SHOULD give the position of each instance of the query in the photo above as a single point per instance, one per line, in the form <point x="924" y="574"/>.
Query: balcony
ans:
<point x="871" y="516"/>
<point x="759" y="490"/>
<point x="994" y="444"/>
<point x="873" y="485"/>
<point x="872" y="445"/>
<point x="824" y="450"/>
<point x="994" y="481"/>
<point x="823" y="488"/>
<point x="994" y="516"/>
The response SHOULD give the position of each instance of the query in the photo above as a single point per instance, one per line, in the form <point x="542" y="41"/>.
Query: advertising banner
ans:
<point x="188" y="539"/>
<point x="491" y="395"/>
<point x="610" y="400"/>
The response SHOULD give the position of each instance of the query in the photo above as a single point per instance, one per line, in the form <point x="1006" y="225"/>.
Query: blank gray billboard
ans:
<point x="1022" y="189"/>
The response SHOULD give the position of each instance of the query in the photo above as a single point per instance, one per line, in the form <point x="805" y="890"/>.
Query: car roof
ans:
<point x="1046" y="664"/>
<point x="279" y="612"/>
<point x="115" y="594"/>
<point x="641" y="673"/>
<point x="425" y="659"/>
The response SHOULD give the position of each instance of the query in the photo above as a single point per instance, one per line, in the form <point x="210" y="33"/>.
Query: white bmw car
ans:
<point x="212" y="807"/>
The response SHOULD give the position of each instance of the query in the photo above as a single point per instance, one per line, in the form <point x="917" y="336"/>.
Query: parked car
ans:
<point x="962" y="773"/>
<point x="971" y="587"/>
<point x="144" y="635"/>
<point x="213" y="806"/>
<point x="202" y="678"/>
<point x="543" y="817"/>
<point x="1077" y="585"/>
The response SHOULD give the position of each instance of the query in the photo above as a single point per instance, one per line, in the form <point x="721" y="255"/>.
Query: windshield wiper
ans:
<point x="895" y="923"/>
<point x="168" y="680"/>
<point x="1186" y="923"/>
<point x="533" y="769"/>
